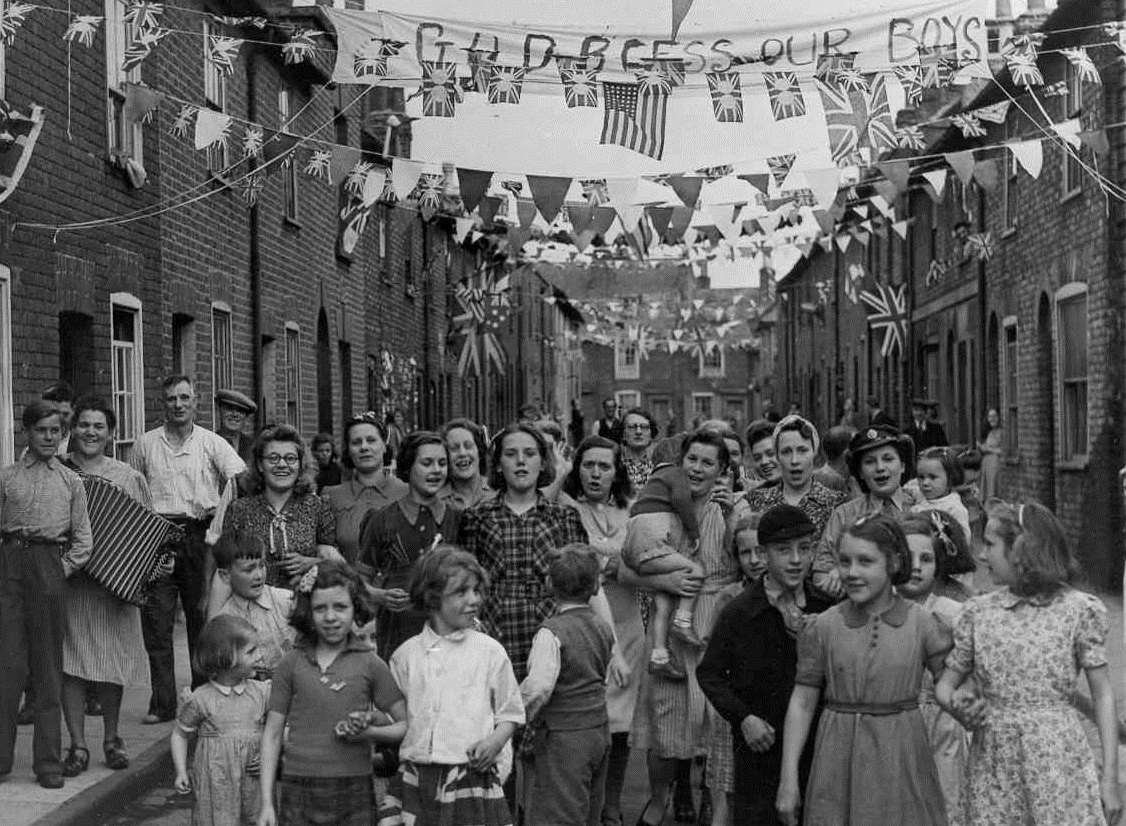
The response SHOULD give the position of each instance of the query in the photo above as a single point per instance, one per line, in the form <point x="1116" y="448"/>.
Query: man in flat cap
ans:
<point x="924" y="431"/>
<point x="234" y="409"/>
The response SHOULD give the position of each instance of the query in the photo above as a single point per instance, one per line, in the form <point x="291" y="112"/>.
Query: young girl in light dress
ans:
<point x="225" y="717"/>
<point x="872" y="762"/>
<point x="463" y="704"/>
<point x="1025" y="644"/>
<point x="935" y="540"/>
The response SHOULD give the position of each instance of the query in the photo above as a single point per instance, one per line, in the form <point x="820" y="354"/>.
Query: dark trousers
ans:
<point x="32" y="624"/>
<point x="569" y="778"/>
<point x="158" y="617"/>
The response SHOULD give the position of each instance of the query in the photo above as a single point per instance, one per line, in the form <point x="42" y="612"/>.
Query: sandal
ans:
<point x="77" y="761"/>
<point x="116" y="758"/>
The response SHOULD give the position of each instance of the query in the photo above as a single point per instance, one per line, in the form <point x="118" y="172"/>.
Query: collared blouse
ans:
<point x="351" y="502"/>
<point x="304" y="522"/>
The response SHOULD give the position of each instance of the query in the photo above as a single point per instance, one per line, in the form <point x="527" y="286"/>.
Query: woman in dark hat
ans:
<point x="880" y="458"/>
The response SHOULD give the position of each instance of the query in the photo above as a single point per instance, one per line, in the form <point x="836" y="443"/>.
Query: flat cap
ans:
<point x="782" y="523"/>
<point x="237" y="400"/>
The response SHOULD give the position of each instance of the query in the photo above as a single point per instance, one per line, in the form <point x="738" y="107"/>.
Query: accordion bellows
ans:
<point x="128" y="539"/>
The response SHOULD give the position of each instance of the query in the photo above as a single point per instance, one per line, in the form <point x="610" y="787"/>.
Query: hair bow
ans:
<point x="307" y="581"/>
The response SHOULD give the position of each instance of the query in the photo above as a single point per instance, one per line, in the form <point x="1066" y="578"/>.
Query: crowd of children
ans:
<point x="909" y="701"/>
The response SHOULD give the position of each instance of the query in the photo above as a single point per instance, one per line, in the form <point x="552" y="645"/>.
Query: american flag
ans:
<point x="889" y="313"/>
<point x="634" y="116"/>
<point x="858" y="119"/>
<point x="580" y="82"/>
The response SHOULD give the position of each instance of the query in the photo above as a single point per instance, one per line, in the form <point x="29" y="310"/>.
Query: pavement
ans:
<point x="100" y="795"/>
<point x="89" y="798"/>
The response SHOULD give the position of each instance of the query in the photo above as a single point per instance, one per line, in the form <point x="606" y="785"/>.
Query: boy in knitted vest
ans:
<point x="565" y="698"/>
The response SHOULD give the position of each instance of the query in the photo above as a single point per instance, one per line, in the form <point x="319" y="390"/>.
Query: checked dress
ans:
<point x="514" y="550"/>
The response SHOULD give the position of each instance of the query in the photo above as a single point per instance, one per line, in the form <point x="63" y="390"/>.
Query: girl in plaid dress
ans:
<point x="513" y="534"/>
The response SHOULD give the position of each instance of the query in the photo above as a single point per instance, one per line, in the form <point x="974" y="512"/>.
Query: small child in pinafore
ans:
<point x="565" y="698"/>
<point x="463" y="704"/>
<point x="225" y="715"/>
<point x="661" y="534"/>
<point x="1025" y="644"/>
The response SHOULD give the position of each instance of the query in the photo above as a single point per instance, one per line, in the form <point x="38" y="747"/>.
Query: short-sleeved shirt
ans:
<point x="313" y="702"/>
<point x="46" y="500"/>
<point x="351" y="502"/>
<point x="186" y="480"/>
<point x="305" y="521"/>
<point x="269" y="614"/>
<point x="844" y="515"/>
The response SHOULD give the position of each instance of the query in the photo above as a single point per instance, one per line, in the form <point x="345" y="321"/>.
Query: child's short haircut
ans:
<point x="1036" y="546"/>
<point x="951" y="466"/>
<point x="667" y="451"/>
<point x="219" y="643"/>
<point x="435" y="570"/>
<point x="229" y="549"/>
<point x="574" y="572"/>
<point x="836" y="442"/>
<point x="330" y="574"/>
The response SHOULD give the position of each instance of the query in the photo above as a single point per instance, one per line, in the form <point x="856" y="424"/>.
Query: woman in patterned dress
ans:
<point x="296" y="526"/>
<point x="103" y="643"/>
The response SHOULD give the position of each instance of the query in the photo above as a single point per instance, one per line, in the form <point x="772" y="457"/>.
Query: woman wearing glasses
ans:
<point x="370" y="487"/>
<point x="296" y="526"/>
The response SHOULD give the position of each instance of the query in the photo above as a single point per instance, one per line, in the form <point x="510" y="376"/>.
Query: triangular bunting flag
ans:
<point x="900" y="228"/>
<point x="580" y="215"/>
<point x="630" y="215"/>
<point x="897" y="172"/>
<point x="963" y="164"/>
<point x="404" y="175"/>
<point x="374" y="183"/>
<point x="843" y="240"/>
<point x="139" y="102"/>
<point x="887" y="190"/>
<point x="1069" y="131"/>
<point x="937" y="180"/>
<point x="987" y="175"/>
<point x="660" y="216"/>
<point x="525" y="212"/>
<point x="761" y="180"/>
<point x="681" y="218"/>
<point x="487" y="208"/>
<point x="517" y="238"/>
<point x="344" y="159"/>
<point x="473" y="184"/>
<point x="680" y="10"/>
<point x="824" y="183"/>
<point x="463" y="226"/>
<point x="210" y="127"/>
<point x="548" y="193"/>
<point x="276" y="144"/>
<point x="687" y="188"/>
<point x="1096" y="139"/>
<point x="622" y="191"/>
<point x="1030" y="155"/>
<point x="603" y="219"/>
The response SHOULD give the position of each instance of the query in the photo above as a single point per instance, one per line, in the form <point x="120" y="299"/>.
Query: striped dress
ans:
<point x="103" y="641"/>
<point x="673" y="718"/>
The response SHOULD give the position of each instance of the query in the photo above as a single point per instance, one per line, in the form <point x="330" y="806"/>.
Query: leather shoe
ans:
<point x="151" y="719"/>
<point x="51" y="780"/>
<point x="26" y="715"/>
<point x="686" y="634"/>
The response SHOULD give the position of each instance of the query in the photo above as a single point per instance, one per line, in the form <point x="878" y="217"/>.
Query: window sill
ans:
<point x="292" y="223"/>
<point x="1077" y="464"/>
<point x="223" y="181"/>
<point x="1070" y="196"/>
<point x="1009" y="232"/>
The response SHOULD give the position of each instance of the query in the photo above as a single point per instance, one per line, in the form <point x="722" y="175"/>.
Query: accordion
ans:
<point x="128" y="539"/>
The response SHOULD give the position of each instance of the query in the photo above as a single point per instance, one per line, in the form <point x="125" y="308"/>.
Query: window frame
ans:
<point x="624" y="369"/>
<point x="290" y="178"/>
<point x="1009" y="201"/>
<point x="706" y="371"/>
<point x="124" y="436"/>
<point x="1071" y="172"/>
<point x="1068" y="453"/>
<point x="696" y="397"/>
<point x="1009" y="359"/>
<point x="215" y="97"/>
<point x="123" y="141"/>
<point x="221" y="312"/>
<point x="293" y="374"/>
<point x="627" y="399"/>
<point x="7" y="410"/>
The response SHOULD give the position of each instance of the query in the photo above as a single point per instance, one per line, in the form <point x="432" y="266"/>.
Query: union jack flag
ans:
<point x="970" y="125"/>
<point x="937" y="64"/>
<point x="370" y="60"/>
<point x="889" y="313"/>
<point x="634" y="116"/>
<point x="727" y="96"/>
<point x="439" y="89"/>
<point x="829" y="66"/>
<point x="911" y="79"/>
<point x="353" y="221"/>
<point x="580" y="82"/>
<point x="480" y="69"/>
<point x="785" y="95"/>
<point x="780" y="166"/>
<point x="858" y="119"/>
<point x="671" y="67"/>
<point x="505" y="84"/>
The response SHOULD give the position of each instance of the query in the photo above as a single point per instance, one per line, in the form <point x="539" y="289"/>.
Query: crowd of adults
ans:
<point x="535" y="486"/>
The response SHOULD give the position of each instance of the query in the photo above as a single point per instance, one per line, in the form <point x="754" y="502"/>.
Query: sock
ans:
<point x="682" y="618"/>
<point x="659" y="655"/>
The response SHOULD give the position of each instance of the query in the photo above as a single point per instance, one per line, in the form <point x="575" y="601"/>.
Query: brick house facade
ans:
<point x="252" y="298"/>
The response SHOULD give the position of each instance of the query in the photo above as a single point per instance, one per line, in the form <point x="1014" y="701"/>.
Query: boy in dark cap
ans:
<point x="747" y="672"/>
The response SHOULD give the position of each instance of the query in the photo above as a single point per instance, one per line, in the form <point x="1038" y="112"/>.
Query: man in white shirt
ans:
<point x="188" y="469"/>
